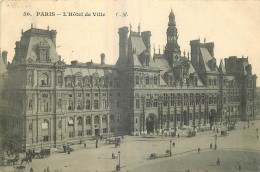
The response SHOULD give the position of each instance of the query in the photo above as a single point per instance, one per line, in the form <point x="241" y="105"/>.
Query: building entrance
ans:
<point x="151" y="123"/>
<point x="185" y="117"/>
<point x="96" y="132"/>
<point x="212" y="116"/>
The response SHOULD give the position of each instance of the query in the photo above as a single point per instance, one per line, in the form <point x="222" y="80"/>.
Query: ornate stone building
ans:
<point x="50" y="102"/>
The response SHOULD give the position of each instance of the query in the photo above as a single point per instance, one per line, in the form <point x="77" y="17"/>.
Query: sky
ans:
<point x="233" y="26"/>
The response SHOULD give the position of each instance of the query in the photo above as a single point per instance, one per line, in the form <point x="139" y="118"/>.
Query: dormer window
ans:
<point x="44" y="79"/>
<point x="44" y="55"/>
<point x="43" y="52"/>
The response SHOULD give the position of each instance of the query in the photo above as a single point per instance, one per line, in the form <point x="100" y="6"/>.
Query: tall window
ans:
<point x="30" y="104"/>
<point x="137" y="103"/>
<point x="96" y="119"/>
<point x="147" y="103"/>
<point x="79" y="105"/>
<point x="59" y="80"/>
<point x="178" y="99"/>
<point x="147" y="80"/>
<point x="79" y="119"/>
<point x="44" y="79"/>
<point x="104" y="119"/>
<point x="88" y="120"/>
<point x="45" y="105"/>
<point x="87" y="104"/>
<point x="112" y="118"/>
<point x="44" y="55"/>
<point x="137" y="80"/>
<point x="191" y="98"/>
<point x="172" y="99"/>
<point x="95" y="104"/>
<point x="59" y="103"/>
<point x="155" y="80"/>
<point x="155" y="102"/>
<point x="70" y="105"/>
<point x="104" y="104"/>
<point x="165" y="99"/>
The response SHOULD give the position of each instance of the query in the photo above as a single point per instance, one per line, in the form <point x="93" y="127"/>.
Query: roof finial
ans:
<point x="242" y="55"/>
<point x="139" y="27"/>
<point x="31" y="25"/>
<point x="204" y="40"/>
<point x="184" y="53"/>
<point x="130" y="28"/>
<point x="48" y="27"/>
<point x="153" y="48"/>
<point x="171" y="9"/>
<point x="22" y="31"/>
<point x="159" y="50"/>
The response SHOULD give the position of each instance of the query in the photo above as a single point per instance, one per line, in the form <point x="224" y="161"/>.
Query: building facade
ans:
<point x="49" y="102"/>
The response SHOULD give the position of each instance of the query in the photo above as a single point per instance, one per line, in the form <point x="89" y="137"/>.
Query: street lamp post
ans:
<point x="170" y="147"/>
<point x="119" y="159"/>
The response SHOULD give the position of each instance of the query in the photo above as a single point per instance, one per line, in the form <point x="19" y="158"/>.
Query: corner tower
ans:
<point x="172" y="49"/>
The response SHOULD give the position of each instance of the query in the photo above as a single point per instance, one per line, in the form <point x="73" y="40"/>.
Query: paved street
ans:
<point x="240" y="146"/>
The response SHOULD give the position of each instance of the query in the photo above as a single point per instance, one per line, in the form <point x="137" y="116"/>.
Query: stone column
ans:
<point x="100" y="124"/>
<point x="108" y="123"/>
<point x="83" y="124"/>
<point x="92" y="125"/>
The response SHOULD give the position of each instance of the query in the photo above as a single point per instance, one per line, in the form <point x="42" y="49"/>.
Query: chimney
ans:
<point x="4" y="56"/>
<point x="53" y="37"/>
<point x="210" y="48"/>
<point x="195" y="53"/>
<point x="146" y="39"/>
<point x="102" y="59"/>
<point x="123" y="42"/>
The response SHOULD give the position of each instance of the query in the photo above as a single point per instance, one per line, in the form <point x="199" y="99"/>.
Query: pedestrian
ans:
<point x="215" y="146"/>
<point x="248" y="126"/>
<point x="97" y="143"/>
<point x="178" y="135"/>
<point x="217" y="130"/>
<point x="210" y="145"/>
<point x="64" y="148"/>
<point x="244" y="127"/>
<point x="48" y="170"/>
<point x="198" y="150"/>
<point x="239" y="167"/>
<point x="31" y="170"/>
<point x="257" y="130"/>
<point x="173" y="144"/>
<point x="85" y="145"/>
<point x="218" y="162"/>
<point x="257" y="137"/>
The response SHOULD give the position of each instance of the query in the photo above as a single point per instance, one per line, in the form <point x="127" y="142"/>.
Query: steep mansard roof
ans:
<point x="27" y="47"/>
<point x="2" y="65"/>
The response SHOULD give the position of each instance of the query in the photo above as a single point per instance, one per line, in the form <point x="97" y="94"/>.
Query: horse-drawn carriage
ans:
<point x="191" y="133"/>
<point x="113" y="141"/>
<point x="42" y="154"/>
<point x="224" y="133"/>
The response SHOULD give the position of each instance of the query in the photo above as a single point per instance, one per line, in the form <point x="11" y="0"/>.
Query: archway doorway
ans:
<point x="185" y="117"/>
<point x="212" y="116"/>
<point x="151" y="123"/>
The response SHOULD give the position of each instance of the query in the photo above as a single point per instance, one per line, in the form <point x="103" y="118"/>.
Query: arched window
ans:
<point x="79" y="120"/>
<point x="44" y="79"/>
<point x="88" y="120"/>
<point x="45" y="124"/>
<point x="137" y="80"/>
<point x="96" y="119"/>
<point x="147" y="80"/>
<point x="71" y="121"/>
<point x="45" y="105"/>
<point x="104" y="119"/>
<point x="155" y="80"/>
<point x="112" y="118"/>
